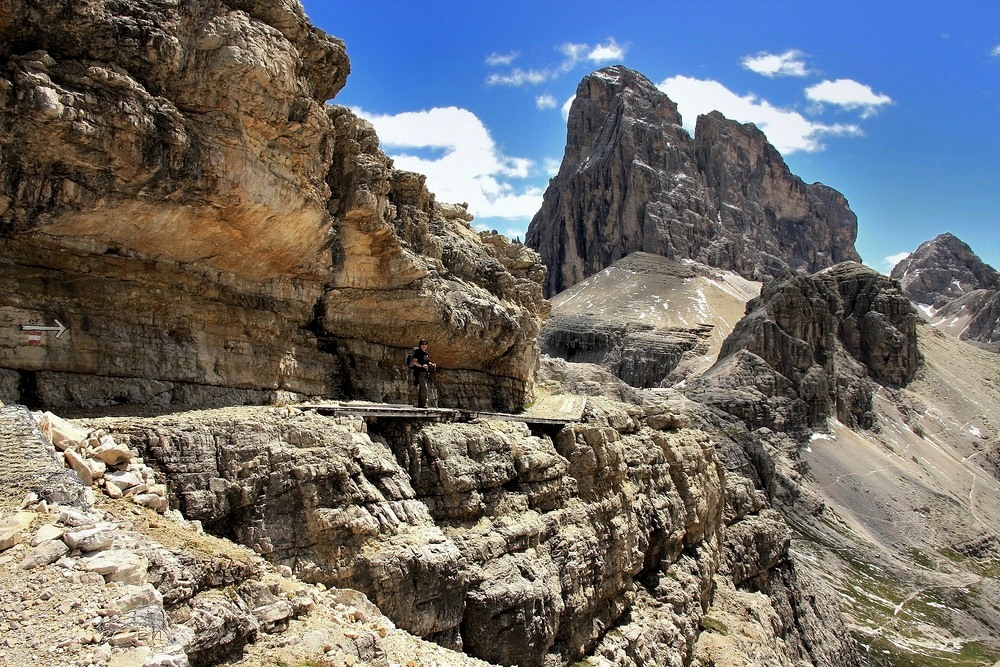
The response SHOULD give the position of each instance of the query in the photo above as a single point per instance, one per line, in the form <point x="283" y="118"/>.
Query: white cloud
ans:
<point x="573" y="55"/>
<point x="498" y="59"/>
<point x="519" y="77"/>
<point x="995" y="51"/>
<point x="470" y="168"/>
<point x="892" y="260"/>
<point x="789" y="63"/>
<point x="607" y="52"/>
<point x="787" y="130"/>
<point x="849" y="95"/>
<point x="546" y="101"/>
<point x="566" y="105"/>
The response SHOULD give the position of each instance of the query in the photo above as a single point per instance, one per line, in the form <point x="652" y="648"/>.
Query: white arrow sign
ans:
<point x="59" y="327"/>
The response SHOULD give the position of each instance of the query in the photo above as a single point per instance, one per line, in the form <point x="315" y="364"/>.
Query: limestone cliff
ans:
<point x="632" y="179"/>
<point x="957" y="290"/>
<point x="176" y="192"/>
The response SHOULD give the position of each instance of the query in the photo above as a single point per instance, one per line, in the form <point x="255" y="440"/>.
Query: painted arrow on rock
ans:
<point x="59" y="327"/>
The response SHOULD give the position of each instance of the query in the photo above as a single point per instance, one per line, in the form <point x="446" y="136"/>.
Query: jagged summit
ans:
<point x="955" y="288"/>
<point x="632" y="179"/>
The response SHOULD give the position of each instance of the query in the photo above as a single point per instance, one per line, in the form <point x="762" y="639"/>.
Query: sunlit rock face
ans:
<point x="632" y="179"/>
<point x="176" y="191"/>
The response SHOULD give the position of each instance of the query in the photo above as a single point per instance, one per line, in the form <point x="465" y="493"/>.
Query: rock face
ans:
<point x="958" y="290"/>
<point x="174" y="190"/>
<point x="647" y="319"/>
<point x="811" y="348"/>
<point x="632" y="179"/>
<point x="614" y="537"/>
<point x="89" y="579"/>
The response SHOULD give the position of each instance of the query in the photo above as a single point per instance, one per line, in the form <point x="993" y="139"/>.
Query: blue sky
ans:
<point x="894" y="104"/>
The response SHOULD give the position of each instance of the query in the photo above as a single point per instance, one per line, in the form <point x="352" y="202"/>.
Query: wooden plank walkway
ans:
<point x="558" y="411"/>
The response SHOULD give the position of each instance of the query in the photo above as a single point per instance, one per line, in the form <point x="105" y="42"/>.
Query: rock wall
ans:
<point x="812" y="348"/>
<point x="176" y="192"/>
<point x="609" y="537"/>
<point x="632" y="179"/>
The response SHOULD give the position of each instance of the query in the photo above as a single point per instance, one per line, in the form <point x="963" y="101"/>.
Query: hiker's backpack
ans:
<point x="409" y="357"/>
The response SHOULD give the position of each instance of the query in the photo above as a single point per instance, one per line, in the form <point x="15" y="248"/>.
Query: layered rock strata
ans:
<point x="958" y="291"/>
<point x="632" y="179"/>
<point x="176" y="192"/>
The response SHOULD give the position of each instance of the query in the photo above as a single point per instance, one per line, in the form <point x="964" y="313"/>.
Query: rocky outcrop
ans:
<point x="89" y="578"/>
<point x="813" y="348"/>
<point x="957" y="290"/>
<point x="609" y="538"/>
<point x="647" y="319"/>
<point x="632" y="179"/>
<point x="176" y="192"/>
<point x="479" y="536"/>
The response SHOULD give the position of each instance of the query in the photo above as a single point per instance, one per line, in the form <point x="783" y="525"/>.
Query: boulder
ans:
<point x="11" y="528"/>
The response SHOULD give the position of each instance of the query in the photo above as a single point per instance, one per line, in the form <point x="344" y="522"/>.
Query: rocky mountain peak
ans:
<point x="632" y="179"/>
<point x="958" y="291"/>
<point x="942" y="270"/>
<point x="619" y="92"/>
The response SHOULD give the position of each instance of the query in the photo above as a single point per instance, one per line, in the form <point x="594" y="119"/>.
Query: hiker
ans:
<point x="422" y="366"/>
